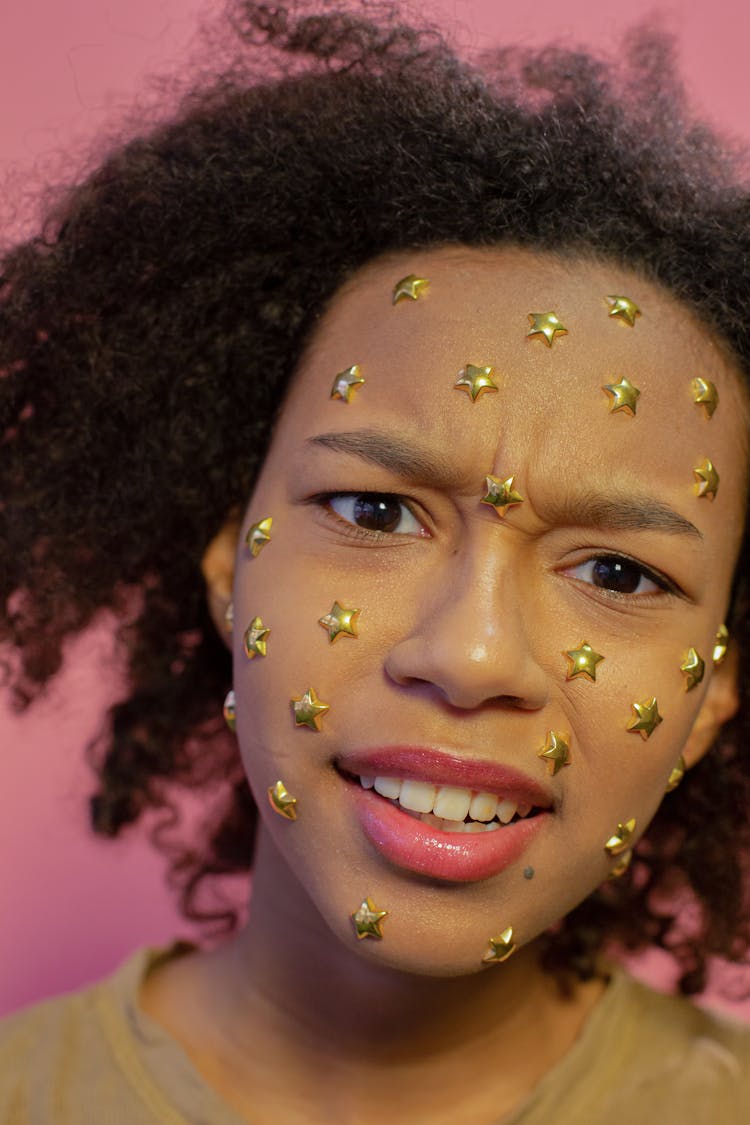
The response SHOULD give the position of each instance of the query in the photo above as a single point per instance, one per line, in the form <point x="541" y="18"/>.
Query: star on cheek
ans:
<point x="340" y="622"/>
<point x="409" y="288"/>
<point x="582" y="662"/>
<point x="258" y="535"/>
<point x="624" y="309"/>
<point x="255" y="639"/>
<point x="282" y="802"/>
<point x="547" y="326"/>
<point x="346" y="382"/>
<point x="556" y="751"/>
<point x="368" y="920"/>
<point x="475" y="381"/>
<point x="624" y="396"/>
<point x="646" y="718"/>
<point x="707" y="480"/>
<point x="693" y="668"/>
<point x="309" y="710"/>
<point x="705" y="394"/>
<point x="501" y="494"/>
<point x="500" y="948"/>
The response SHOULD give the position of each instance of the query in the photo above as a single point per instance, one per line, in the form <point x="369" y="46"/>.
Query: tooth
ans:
<point x="524" y="810"/>
<point x="452" y="803"/>
<point x="388" y="786"/>
<point x="483" y="806"/>
<point x="416" y="815"/>
<point x="417" y="795"/>
<point x="506" y="810"/>
<point x="493" y="827"/>
<point x="366" y="782"/>
<point x="449" y="825"/>
<point x="429" y="818"/>
<point x="474" y="826"/>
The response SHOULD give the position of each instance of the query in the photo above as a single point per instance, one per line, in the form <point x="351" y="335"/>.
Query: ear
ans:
<point x="720" y="703"/>
<point x="217" y="566"/>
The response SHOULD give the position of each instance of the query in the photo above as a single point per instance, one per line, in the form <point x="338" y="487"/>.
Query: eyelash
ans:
<point x="325" y="500"/>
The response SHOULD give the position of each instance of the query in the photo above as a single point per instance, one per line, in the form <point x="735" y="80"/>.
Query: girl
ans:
<point x="411" y="403"/>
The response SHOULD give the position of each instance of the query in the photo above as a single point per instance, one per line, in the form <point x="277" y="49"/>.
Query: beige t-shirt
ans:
<point x="95" y="1057"/>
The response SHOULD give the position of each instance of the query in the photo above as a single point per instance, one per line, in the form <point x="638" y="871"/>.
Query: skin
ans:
<point x="464" y="619"/>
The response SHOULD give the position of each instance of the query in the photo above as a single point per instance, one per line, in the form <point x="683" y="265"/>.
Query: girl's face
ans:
<point x="458" y="676"/>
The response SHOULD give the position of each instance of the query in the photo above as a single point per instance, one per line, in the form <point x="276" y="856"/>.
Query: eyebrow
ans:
<point x="614" y="512"/>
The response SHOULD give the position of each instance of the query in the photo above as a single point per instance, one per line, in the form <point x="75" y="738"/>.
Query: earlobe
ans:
<point x="217" y="566"/>
<point x="719" y="705"/>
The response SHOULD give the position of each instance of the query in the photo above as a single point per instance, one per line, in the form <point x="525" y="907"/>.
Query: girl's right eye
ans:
<point x="378" y="512"/>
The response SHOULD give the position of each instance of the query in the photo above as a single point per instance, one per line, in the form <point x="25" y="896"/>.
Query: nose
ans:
<point x="470" y="641"/>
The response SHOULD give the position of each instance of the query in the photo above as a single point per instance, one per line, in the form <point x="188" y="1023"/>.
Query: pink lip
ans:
<point x="451" y="856"/>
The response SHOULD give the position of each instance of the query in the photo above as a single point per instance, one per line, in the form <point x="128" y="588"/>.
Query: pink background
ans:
<point x="71" y="905"/>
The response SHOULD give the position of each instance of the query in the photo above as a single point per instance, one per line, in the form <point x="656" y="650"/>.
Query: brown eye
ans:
<point x="619" y="574"/>
<point x="375" y="511"/>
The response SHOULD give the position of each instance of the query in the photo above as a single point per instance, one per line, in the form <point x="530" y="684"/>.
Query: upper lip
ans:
<point x="445" y="767"/>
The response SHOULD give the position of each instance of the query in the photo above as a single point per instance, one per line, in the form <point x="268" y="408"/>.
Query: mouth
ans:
<point x="452" y="832"/>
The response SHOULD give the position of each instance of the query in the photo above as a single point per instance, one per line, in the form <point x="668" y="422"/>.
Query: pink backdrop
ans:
<point x="72" y="906"/>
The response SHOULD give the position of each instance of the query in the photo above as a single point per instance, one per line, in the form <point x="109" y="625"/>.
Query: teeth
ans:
<point x="483" y="806"/>
<point x="506" y="810"/>
<point x="416" y="795"/>
<point x="452" y="804"/>
<point x="524" y="810"/>
<point x="366" y="782"/>
<point x="388" y="787"/>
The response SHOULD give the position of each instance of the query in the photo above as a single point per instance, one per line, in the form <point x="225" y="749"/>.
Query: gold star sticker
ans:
<point x="475" y="380"/>
<point x="308" y="710"/>
<point x="282" y="801"/>
<point x="624" y="396"/>
<point x="676" y="775"/>
<point x="624" y="309"/>
<point x="409" y="287"/>
<point x="501" y="494"/>
<point x="255" y="639"/>
<point x="582" y="662"/>
<point x="620" y="839"/>
<point x="258" y="535"/>
<point x="692" y="668"/>
<point x="705" y="394"/>
<point x="622" y="865"/>
<point x="707" y="479"/>
<point x="368" y="920"/>
<point x="229" y="617"/>
<point x="647" y="720"/>
<point x="500" y="948"/>
<point x="556" y="751"/>
<point x="230" y="710"/>
<point x="340" y="622"/>
<point x="721" y="645"/>
<point x="346" y="382"/>
<point x="547" y="325"/>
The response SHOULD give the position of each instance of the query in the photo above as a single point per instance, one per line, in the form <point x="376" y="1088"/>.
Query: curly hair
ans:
<point x="135" y="328"/>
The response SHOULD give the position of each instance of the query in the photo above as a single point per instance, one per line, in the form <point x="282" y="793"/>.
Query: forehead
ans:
<point x="550" y="406"/>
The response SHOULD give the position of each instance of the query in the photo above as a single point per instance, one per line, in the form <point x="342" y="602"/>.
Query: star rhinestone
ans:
<point x="309" y="710"/>
<point x="546" y="325"/>
<point x="346" y="382"/>
<point x="368" y="920"/>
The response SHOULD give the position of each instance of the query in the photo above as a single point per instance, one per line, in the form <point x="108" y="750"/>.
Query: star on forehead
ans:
<point x="692" y="668"/>
<point x="346" y="382"/>
<point x="646" y="718"/>
<point x="340" y="622"/>
<point x="500" y="948"/>
<point x="255" y="638"/>
<point x="409" y="288"/>
<point x="501" y="494"/>
<point x="282" y="802"/>
<point x="547" y="325"/>
<point x="475" y="380"/>
<point x="258" y="535"/>
<point x="556" y="751"/>
<point x="309" y="710"/>
<point x="705" y="394"/>
<point x="368" y="920"/>
<point x="621" y="837"/>
<point x="624" y="396"/>
<point x="707" y="479"/>
<point x="624" y="309"/>
<point x="582" y="661"/>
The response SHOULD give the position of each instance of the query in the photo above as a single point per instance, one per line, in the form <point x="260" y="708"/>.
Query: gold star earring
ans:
<point x="309" y="710"/>
<point x="255" y="639"/>
<point x="692" y="669"/>
<point x="620" y="838"/>
<point x="258" y="535"/>
<point x="676" y="775"/>
<point x="547" y="326"/>
<point x="705" y="394"/>
<point x="624" y="309"/>
<point x="409" y="288"/>
<point x="707" y="480"/>
<point x="475" y="380"/>
<point x="501" y="494"/>
<point x="624" y="396"/>
<point x="646" y="718"/>
<point x="230" y="710"/>
<point x="281" y="801"/>
<point x="346" y="382"/>
<point x="340" y="622"/>
<point x="721" y="644"/>
<point x="229" y="617"/>
<point x="500" y="948"/>
<point x="623" y="863"/>
<point x="368" y="920"/>
<point x="582" y="661"/>
<point x="556" y="751"/>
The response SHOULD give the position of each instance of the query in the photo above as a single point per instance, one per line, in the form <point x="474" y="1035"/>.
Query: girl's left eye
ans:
<point x="620" y="575"/>
<point x="375" y="511"/>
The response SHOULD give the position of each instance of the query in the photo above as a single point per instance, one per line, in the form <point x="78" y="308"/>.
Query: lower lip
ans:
<point x="453" y="856"/>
